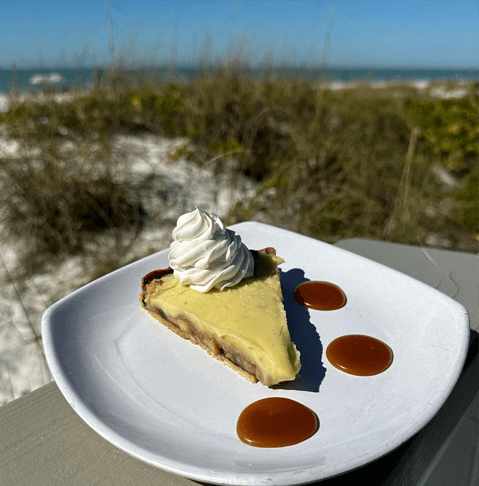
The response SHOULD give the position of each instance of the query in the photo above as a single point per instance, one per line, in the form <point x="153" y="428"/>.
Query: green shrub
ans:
<point x="467" y="204"/>
<point x="450" y="129"/>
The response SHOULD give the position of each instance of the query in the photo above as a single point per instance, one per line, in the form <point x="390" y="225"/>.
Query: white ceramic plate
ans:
<point x="166" y="402"/>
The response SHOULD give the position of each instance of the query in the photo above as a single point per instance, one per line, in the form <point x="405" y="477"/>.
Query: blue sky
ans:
<point x="365" y="33"/>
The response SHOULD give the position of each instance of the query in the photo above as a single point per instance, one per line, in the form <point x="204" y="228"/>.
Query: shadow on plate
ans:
<point x="304" y="335"/>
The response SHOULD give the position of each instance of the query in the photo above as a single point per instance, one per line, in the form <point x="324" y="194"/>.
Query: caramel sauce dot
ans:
<point x="359" y="355"/>
<point x="320" y="295"/>
<point x="276" y="422"/>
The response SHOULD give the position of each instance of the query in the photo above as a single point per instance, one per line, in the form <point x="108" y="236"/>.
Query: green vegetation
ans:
<point x="450" y="129"/>
<point x="358" y="162"/>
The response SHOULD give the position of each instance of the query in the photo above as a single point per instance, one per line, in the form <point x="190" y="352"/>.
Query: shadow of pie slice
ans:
<point x="244" y="326"/>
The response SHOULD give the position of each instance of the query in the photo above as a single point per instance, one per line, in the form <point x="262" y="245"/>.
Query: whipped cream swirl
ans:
<point x="204" y="254"/>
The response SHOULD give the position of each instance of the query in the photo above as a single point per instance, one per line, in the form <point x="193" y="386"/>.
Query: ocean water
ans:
<point x="31" y="80"/>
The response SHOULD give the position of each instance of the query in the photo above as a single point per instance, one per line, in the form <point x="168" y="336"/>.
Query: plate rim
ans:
<point x="114" y="438"/>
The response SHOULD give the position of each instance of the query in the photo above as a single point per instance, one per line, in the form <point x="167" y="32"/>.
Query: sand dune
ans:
<point x="22" y="368"/>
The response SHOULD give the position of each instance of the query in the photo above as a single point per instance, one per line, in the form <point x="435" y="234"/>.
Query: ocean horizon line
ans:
<point x="30" y="79"/>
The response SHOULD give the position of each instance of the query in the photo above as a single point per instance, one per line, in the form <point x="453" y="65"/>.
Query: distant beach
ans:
<point x="34" y="79"/>
<point x="61" y="81"/>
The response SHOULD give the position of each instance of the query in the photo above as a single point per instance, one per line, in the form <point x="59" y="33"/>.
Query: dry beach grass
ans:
<point x="97" y="179"/>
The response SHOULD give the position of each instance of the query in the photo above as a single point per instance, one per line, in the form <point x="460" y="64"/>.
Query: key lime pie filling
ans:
<point x="225" y="298"/>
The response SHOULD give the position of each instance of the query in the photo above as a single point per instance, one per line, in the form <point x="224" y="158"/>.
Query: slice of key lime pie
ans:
<point x="225" y="298"/>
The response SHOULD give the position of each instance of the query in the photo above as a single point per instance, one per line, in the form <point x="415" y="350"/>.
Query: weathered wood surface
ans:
<point x="44" y="442"/>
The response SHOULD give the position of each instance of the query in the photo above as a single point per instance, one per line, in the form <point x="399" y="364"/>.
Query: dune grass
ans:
<point x="330" y="164"/>
<point x="393" y="164"/>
